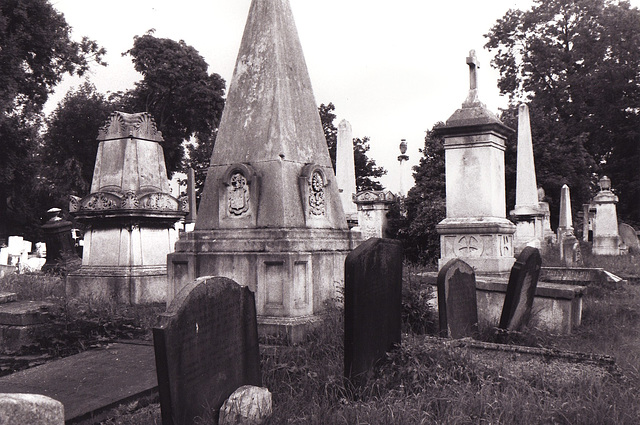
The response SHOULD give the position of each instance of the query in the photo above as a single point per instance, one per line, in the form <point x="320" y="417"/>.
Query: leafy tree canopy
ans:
<point x="578" y="65"/>
<point x="184" y="99"/>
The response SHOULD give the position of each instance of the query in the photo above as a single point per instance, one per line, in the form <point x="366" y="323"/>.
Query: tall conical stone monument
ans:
<point x="528" y="214"/>
<point x="270" y="216"/>
<point x="476" y="229"/>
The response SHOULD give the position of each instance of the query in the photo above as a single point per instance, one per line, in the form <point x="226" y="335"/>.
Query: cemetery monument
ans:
<point x="270" y="215"/>
<point x="476" y="228"/>
<point x="606" y="239"/>
<point x="346" y="170"/>
<point x="457" y="304"/>
<point x="129" y="215"/>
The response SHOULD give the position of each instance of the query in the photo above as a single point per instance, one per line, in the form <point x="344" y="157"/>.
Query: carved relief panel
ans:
<point x="238" y="197"/>
<point x="314" y="195"/>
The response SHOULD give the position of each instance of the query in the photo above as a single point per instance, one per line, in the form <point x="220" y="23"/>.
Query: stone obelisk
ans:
<point x="270" y="215"/>
<point x="475" y="228"/>
<point x="527" y="214"/>
<point x="346" y="170"/>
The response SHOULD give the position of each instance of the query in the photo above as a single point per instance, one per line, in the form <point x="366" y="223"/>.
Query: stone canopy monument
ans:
<point x="475" y="228"/>
<point x="129" y="215"/>
<point x="270" y="216"/>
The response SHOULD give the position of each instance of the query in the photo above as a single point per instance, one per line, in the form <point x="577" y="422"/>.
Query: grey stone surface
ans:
<point x="206" y="346"/>
<point x="23" y="313"/>
<point x="372" y="305"/>
<point x="629" y="237"/>
<point x="30" y="409"/>
<point x="457" y="305"/>
<point x="7" y="297"/>
<point x="247" y="405"/>
<point x="91" y="382"/>
<point x="521" y="290"/>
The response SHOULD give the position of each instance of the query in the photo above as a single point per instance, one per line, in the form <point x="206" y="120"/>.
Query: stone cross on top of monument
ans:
<point x="474" y="64"/>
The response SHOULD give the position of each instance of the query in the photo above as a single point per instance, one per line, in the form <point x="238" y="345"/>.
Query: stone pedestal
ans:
<point x="606" y="239"/>
<point x="476" y="229"/>
<point x="129" y="216"/>
<point x="61" y="255"/>
<point x="373" y="207"/>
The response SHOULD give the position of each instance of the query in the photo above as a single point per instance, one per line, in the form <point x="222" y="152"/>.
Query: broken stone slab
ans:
<point x="24" y="313"/>
<point x="247" y="405"/>
<point x="32" y="409"/>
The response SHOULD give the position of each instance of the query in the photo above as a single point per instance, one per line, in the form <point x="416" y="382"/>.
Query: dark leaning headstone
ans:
<point x="372" y="305"/>
<point x="521" y="290"/>
<point x="457" y="305"/>
<point x="206" y="346"/>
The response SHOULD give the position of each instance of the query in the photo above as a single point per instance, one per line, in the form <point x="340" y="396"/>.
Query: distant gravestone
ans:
<point x="629" y="238"/>
<point x="521" y="290"/>
<point x="372" y="305"/>
<point x="457" y="305"/>
<point x="206" y="347"/>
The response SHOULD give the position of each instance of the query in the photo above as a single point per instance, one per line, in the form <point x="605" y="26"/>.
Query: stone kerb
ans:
<point x="457" y="305"/>
<point x="30" y="409"/>
<point x="372" y="305"/>
<point x="206" y="347"/>
<point x="521" y="290"/>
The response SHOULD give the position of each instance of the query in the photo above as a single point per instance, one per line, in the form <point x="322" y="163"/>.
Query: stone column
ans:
<point x="373" y="207"/>
<point x="346" y="170"/>
<point x="606" y="239"/>
<point x="527" y="214"/>
<point x="402" y="165"/>
<point x="475" y="228"/>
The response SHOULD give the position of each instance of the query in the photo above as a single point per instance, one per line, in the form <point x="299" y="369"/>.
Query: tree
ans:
<point x="425" y="202"/>
<point x="184" y="99"/>
<point x="366" y="168"/>
<point x="577" y="63"/>
<point x="36" y="50"/>
<point x="69" y="147"/>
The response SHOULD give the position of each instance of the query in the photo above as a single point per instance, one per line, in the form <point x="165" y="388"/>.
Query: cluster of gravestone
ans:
<point x="278" y="224"/>
<point x="457" y="302"/>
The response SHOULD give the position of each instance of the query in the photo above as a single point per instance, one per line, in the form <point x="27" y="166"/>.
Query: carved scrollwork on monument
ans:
<point x="184" y="203"/>
<point x="316" y="194"/>
<point x="130" y="201"/>
<point x="506" y="248"/>
<point x="100" y="201"/>
<point x="159" y="201"/>
<point x="140" y="125"/>
<point x="238" y="194"/>
<point x="74" y="203"/>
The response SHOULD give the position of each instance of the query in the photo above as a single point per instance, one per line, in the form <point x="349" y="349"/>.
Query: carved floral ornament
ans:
<point x="140" y="125"/>
<point x="108" y="201"/>
<point x="316" y="193"/>
<point x="374" y="196"/>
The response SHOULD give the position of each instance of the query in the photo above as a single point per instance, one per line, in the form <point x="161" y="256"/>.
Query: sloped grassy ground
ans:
<point x="426" y="380"/>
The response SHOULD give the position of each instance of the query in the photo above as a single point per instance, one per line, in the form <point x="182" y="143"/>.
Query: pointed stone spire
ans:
<point x="526" y="186"/>
<point x="346" y="169"/>
<point x="271" y="121"/>
<point x="565" y="224"/>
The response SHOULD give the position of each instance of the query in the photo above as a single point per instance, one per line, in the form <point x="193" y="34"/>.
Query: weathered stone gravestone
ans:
<point x="206" y="347"/>
<point x="457" y="305"/>
<point x="372" y="305"/>
<point x="521" y="290"/>
<point x="629" y="238"/>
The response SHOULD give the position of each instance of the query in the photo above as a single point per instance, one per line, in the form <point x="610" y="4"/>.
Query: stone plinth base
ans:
<point x="121" y="284"/>
<point x="529" y="232"/>
<point x="606" y="245"/>
<point x="486" y="244"/>
<point x="293" y="272"/>
<point x="556" y="307"/>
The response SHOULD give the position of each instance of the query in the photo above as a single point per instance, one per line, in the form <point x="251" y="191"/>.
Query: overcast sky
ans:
<point x="392" y="69"/>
